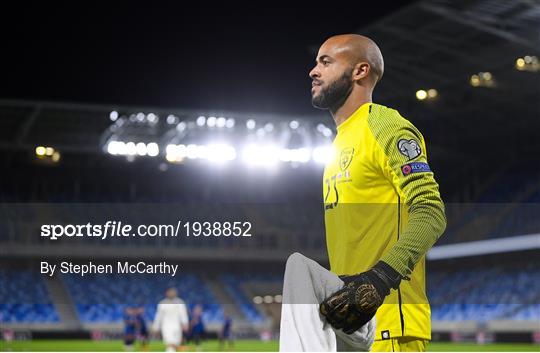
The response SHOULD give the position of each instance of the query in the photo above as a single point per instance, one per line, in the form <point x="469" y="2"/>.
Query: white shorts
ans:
<point x="171" y="336"/>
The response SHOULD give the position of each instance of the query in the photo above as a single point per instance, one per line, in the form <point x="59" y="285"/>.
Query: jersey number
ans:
<point x="332" y="180"/>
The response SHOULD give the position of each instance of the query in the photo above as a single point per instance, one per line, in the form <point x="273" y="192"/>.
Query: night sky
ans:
<point x="234" y="58"/>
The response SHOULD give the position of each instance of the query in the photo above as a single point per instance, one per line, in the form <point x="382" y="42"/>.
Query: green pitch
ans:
<point x="241" y="345"/>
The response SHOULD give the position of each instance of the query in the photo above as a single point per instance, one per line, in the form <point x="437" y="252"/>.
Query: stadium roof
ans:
<point x="427" y="44"/>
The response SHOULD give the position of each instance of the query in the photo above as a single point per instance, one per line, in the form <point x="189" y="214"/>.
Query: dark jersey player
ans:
<point x="130" y="328"/>
<point x="226" y="333"/>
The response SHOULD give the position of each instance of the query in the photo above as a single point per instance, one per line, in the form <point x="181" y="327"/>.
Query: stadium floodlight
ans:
<point x="55" y="157"/>
<point x="528" y="63"/>
<point x="211" y="121"/>
<point x="324" y="130"/>
<point x="220" y="153"/>
<point x="221" y="121"/>
<point x="482" y="79"/>
<point x="250" y="124"/>
<point x="152" y="118"/>
<point x="421" y="94"/>
<point x="269" y="127"/>
<point x="278" y="298"/>
<point x="301" y="155"/>
<point x="117" y="148"/>
<point x="257" y="299"/>
<point x="260" y="155"/>
<point x="230" y="123"/>
<point x="268" y="299"/>
<point x="140" y="117"/>
<point x="181" y="126"/>
<point x="111" y="148"/>
<point x="475" y="81"/>
<point x="520" y="63"/>
<point x="171" y="119"/>
<point x="215" y="152"/>
<point x="191" y="151"/>
<point x="294" y="124"/>
<point x="40" y="151"/>
<point x="201" y="152"/>
<point x="131" y="148"/>
<point x="260" y="132"/>
<point x="327" y="132"/>
<point x="141" y="148"/>
<point x="121" y="148"/>
<point x="49" y="151"/>
<point x="170" y="149"/>
<point x="201" y="120"/>
<point x="152" y="149"/>
<point x="285" y="155"/>
<point x="175" y="153"/>
<point x="113" y="115"/>
<point x="323" y="154"/>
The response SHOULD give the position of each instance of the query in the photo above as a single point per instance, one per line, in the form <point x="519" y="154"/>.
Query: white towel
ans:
<point x="303" y="328"/>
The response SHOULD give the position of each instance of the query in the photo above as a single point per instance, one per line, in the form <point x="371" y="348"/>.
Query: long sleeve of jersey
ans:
<point x="404" y="163"/>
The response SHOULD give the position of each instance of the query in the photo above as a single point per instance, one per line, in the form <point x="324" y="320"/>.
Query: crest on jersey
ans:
<point x="409" y="148"/>
<point x="346" y="157"/>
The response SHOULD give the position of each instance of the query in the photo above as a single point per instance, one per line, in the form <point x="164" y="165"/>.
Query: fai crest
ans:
<point x="409" y="148"/>
<point x="346" y="157"/>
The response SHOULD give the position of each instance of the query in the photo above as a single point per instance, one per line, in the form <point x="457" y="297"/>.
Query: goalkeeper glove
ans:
<point x="356" y="303"/>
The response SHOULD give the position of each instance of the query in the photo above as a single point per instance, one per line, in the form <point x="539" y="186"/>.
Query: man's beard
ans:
<point x="333" y="96"/>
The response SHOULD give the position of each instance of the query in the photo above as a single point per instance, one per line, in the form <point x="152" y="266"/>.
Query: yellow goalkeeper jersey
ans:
<point x="382" y="203"/>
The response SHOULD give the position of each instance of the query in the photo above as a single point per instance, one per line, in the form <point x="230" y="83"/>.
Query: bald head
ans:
<point x="347" y="66"/>
<point x="356" y="49"/>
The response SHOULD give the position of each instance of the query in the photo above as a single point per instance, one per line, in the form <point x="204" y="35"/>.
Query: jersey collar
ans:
<point x="360" y="113"/>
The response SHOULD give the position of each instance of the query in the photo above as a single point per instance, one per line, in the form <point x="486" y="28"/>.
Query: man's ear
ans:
<point x="361" y="71"/>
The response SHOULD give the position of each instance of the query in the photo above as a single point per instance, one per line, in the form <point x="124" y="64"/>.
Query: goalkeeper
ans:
<point x="383" y="212"/>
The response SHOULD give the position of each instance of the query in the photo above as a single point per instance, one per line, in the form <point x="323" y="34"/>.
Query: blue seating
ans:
<point x="24" y="298"/>
<point x="97" y="300"/>
<point x="485" y="294"/>
<point x="528" y="312"/>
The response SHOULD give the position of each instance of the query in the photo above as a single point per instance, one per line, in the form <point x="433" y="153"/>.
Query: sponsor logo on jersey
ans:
<point x="346" y="157"/>
<point x="415" y="167"/>
<point x="409" y="148"/>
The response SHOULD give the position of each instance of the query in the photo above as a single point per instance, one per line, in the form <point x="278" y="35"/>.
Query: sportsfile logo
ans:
<point x="415" y="167"/>
<point x="118" y="229"/>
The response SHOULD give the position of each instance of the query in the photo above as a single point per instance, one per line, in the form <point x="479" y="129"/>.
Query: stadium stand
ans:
<point x="233" y="285"/>
<point x="98" y="301"/>
<point x="481" y="294"/>
<point x="485" y="293"/>
<point x="24" y="298"/>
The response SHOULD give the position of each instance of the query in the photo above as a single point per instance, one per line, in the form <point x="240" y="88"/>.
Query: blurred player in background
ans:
<point x="142" y="329"/>
<point x="383" y="212"/>
<point x="130" y="328"/>
<point x="171" y="319"/>
<point x="225" y="335"/>
<point x="197" y="326"/>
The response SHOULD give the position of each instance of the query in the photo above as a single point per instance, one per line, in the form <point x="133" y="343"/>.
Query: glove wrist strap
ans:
<point x="387" y="274"/>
